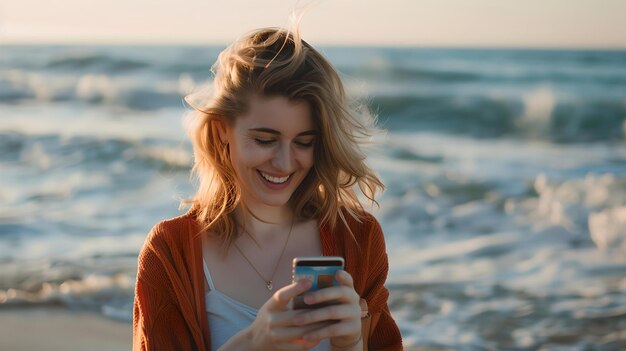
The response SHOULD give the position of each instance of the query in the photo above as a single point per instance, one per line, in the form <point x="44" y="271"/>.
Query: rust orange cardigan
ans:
<point x="169" y="308"/>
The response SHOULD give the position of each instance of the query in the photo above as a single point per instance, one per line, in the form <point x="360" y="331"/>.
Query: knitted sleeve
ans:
<point x="157" y="321"/>
<point x="384" y="333"/>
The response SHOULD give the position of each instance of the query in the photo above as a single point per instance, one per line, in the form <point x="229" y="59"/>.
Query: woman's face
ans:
<point x="271" y="149"/>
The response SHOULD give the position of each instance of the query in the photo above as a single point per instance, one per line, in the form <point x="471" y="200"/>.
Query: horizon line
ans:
<point x="197" y="43"/>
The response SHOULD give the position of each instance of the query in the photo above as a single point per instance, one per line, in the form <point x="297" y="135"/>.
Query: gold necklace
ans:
<point x="269" y="284"/>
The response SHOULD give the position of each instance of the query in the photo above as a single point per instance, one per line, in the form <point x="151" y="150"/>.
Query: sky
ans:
<point x="418" y="23"/>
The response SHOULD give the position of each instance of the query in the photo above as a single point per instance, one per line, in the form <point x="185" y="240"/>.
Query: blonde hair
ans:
<point x="276" y="62"/>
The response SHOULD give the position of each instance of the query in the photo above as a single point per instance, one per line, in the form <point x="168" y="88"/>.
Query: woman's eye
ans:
<point x="304" y="144"/>
<point x="264" y="141"/>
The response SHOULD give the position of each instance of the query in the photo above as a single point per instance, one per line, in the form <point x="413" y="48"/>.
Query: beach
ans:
<point x="53" y="329"/>
<point x="61" y="329"/>
<point x="504" y="212"/>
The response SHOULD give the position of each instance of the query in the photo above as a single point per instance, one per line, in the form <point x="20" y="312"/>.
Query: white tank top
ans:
<point x="228" y="316"/>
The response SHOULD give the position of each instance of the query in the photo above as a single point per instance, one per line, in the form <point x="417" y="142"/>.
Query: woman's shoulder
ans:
<point x="174" y="230"/>
<point x="360" y="222"/>
<point x="166" y="249"/>
<point x="360" y="228"/>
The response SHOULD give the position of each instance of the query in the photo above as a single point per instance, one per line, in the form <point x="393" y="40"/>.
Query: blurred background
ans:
<point x="505" y="158"/>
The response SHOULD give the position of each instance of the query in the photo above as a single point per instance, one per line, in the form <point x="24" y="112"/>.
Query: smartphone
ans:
<point x="321" y="271"/>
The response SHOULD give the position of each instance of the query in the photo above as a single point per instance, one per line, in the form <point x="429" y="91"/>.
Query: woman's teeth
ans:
<point x="275" y="180"/>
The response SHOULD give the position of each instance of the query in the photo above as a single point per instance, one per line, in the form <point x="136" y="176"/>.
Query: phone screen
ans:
<point x="320" y="271"/>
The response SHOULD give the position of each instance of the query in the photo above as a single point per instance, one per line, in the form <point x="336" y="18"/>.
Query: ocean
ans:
<point x="505" y="208"/>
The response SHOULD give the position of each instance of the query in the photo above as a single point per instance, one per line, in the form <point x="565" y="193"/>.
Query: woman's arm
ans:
<point x="384" y="333"/>
<point x="163" y="317"/>
<point x="157" y="323"/>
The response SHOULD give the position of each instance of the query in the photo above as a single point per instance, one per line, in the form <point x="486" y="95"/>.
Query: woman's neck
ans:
<point x="265" y="223"/>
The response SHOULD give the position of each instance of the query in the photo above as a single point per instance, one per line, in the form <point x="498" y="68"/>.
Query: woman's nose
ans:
<point x="283" y="159"/>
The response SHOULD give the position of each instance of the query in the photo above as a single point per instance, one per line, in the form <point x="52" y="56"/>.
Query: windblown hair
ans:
<point x="275" y="62"/>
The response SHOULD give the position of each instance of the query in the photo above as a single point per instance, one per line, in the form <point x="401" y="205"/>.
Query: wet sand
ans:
<point x="61" y="329"/>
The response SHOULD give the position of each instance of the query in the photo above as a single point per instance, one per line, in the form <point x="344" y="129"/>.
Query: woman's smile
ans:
<point x="273" y="179"/>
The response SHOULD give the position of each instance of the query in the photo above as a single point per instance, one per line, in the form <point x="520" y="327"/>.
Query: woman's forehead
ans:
<point x="277" y="113"/>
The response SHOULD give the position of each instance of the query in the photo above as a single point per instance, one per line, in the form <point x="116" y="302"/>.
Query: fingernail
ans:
<point x="300" y="341"/>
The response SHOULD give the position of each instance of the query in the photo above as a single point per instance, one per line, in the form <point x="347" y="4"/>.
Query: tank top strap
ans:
<point x="207" y="274"/>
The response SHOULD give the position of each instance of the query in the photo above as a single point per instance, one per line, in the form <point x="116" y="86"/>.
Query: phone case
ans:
<point x="319" y="271"/>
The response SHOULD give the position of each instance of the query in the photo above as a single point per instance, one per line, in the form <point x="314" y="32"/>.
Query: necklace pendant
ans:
<point x="269" y="285"/>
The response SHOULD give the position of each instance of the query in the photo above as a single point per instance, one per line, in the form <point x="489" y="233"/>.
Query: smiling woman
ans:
<point x="277" y="156"/>
<point x="271" y="149"/>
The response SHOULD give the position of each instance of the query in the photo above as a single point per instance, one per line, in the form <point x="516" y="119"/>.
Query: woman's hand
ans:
<point x="344" y="329"/>
<point x="274" y="328"/>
